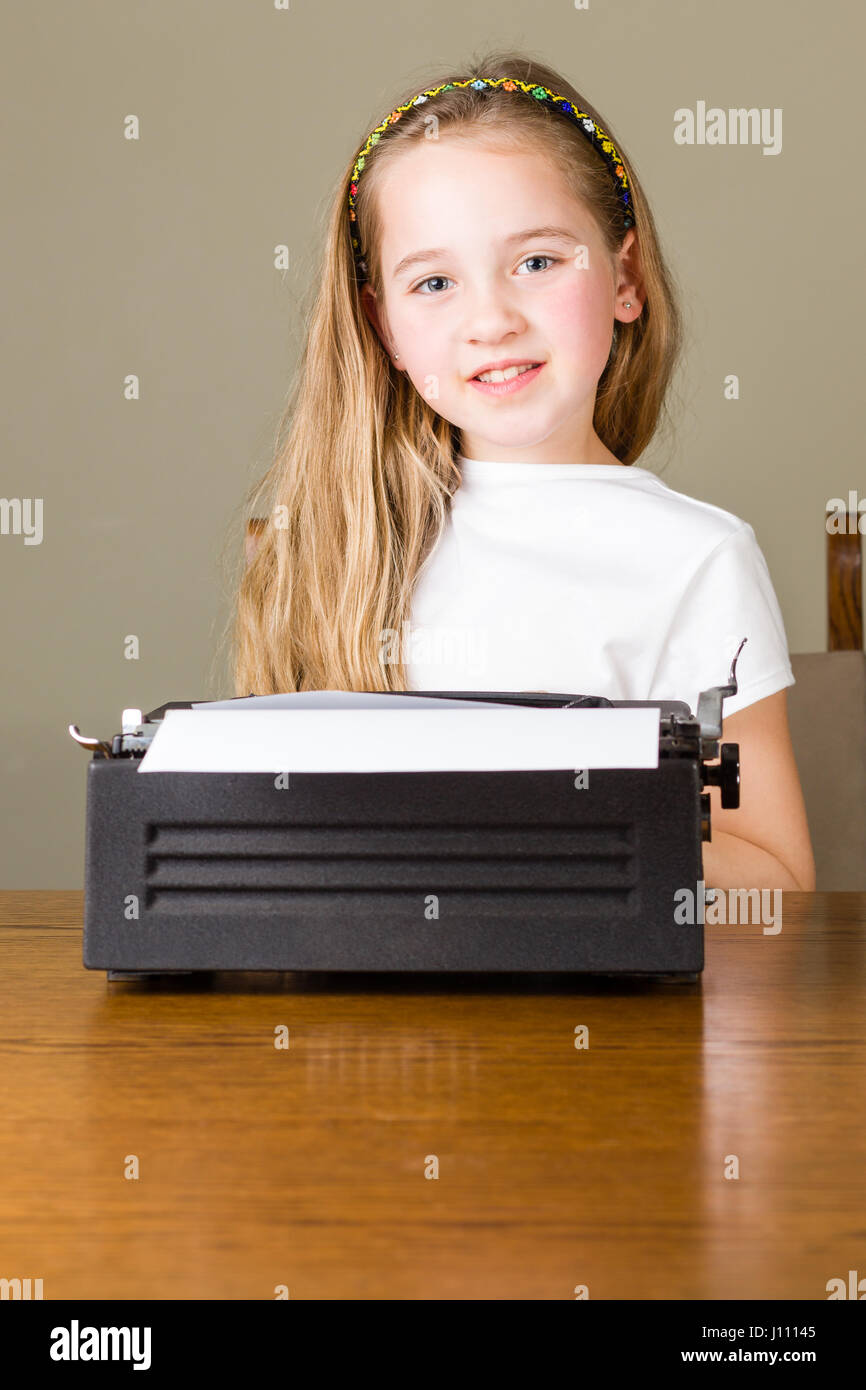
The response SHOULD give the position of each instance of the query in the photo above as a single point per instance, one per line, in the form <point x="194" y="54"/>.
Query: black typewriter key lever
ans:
<point x="726" y="774"/>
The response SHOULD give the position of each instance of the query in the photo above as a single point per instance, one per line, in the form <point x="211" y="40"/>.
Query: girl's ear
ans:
<point x="629" y="275"/>
<point x="371" y="309"/>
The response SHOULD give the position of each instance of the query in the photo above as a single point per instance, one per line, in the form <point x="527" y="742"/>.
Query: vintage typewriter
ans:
<point x="189" y="871"/>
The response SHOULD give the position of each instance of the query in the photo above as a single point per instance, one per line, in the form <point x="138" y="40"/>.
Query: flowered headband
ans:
<point x="584" y="123"/>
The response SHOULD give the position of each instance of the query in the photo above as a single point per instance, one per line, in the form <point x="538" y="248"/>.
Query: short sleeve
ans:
<point x="731" y="596"/>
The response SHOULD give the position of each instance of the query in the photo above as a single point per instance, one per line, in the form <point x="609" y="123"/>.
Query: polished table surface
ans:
<point x="558" y="1166"/>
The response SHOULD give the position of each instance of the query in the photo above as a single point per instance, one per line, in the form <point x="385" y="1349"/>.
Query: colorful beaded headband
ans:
<point x="584" y="123"/>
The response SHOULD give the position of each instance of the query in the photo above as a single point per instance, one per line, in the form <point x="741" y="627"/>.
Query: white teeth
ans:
<point x="507" y="374"/>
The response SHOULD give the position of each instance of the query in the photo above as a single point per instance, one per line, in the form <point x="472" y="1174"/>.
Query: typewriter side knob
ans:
<point x="726" y="775"/>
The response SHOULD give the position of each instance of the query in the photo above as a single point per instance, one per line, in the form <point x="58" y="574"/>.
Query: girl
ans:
<point x="456" y="504"/>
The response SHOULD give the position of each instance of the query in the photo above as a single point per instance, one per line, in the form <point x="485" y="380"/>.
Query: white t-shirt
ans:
<point x="593" y="579"/>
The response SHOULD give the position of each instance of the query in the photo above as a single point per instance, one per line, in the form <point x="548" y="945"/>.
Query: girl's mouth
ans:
<point x="515" y="380"/>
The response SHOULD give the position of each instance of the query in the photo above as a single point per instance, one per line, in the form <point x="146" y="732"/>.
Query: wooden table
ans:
<point x="305" y="1166"/>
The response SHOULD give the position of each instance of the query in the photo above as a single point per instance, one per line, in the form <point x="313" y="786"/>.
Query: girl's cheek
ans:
<point x="569" y="302"/>
<point x="577" y="314"/>
<point x="419" y="332"/>
<point x="428" y="346"/>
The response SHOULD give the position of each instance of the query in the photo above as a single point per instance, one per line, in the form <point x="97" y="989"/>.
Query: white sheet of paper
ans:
<point x="344" y="699"/>
<point x="495" y="738"/>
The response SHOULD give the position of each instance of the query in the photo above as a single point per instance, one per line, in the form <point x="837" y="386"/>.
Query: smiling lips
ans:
<point x="507" y="378"/>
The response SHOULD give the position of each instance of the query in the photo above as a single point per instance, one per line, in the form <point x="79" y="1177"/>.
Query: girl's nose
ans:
<point x="491" y="312"/>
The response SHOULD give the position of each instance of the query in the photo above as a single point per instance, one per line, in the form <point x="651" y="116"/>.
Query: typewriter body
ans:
<point x="410" y="871"/>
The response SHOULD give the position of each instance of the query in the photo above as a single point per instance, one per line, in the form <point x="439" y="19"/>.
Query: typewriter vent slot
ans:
<point x="311" y="868"/>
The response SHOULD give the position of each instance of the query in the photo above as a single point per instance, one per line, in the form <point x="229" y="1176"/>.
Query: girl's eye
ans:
<point x="433" y="279"/>
<point x="552" y="259"/>
<point x="430" y="280"/>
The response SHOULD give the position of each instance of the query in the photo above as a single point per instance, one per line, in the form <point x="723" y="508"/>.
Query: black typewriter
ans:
<point x="507" y="871"/>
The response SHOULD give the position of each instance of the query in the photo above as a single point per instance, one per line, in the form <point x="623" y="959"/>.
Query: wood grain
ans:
<point x="844" y="588"/>
<point x="558" y="1166"/>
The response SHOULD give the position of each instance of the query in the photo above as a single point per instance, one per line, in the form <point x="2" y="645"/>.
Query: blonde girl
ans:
<point x="455" y="501"/>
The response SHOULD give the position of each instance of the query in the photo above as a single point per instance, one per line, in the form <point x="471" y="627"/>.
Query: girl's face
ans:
<point x="488" y="259"/>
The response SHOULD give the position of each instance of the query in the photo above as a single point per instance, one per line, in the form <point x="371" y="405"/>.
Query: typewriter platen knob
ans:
<point x="726" y="775"/>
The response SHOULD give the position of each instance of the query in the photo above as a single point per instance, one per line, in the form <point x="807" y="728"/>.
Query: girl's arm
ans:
<point x="765" y="842"/>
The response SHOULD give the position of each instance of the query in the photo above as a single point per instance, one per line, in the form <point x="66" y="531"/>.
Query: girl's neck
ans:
<point x="599" y="456"/>
<point x="594" y="453"/>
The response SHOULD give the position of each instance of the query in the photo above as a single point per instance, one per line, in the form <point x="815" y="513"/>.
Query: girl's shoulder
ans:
<point x="704" y="524"/>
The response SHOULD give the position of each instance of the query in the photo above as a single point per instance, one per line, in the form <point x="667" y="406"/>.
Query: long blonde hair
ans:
<point x="362" y="481"/>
